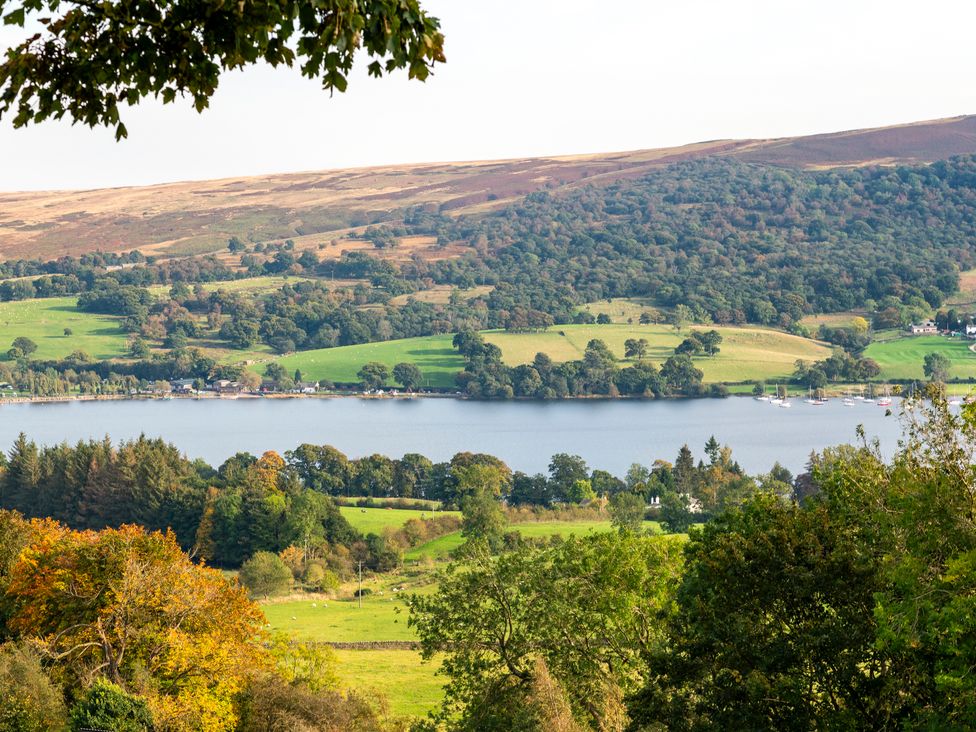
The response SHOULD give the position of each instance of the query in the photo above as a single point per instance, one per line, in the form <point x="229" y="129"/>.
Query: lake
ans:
<point x="608" y="434"/>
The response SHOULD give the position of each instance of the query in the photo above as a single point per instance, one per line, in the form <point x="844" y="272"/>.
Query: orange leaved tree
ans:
<point x="131" y="606"/>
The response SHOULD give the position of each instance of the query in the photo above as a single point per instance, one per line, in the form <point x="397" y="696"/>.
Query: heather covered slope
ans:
<point x="198" y="217"/>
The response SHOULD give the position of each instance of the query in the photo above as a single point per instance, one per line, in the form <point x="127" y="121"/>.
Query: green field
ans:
<point x="374" y="520"/>
<point x="442" y="547"/>
<point x="44" y="321"/>
<point x="383" y="617"/>
<point x="410" y="686"/>
<point x="434" y="355"/>
<point x="902" y="358"/>
<point x="746" y="353"/>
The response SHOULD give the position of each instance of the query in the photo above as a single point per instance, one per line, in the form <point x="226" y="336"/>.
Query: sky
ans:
<point x="545" y="77"/>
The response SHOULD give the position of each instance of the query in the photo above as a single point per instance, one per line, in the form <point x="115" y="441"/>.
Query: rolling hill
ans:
<point x="316" y="208"/>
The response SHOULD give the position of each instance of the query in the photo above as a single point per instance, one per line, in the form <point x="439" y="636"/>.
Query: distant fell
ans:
<point x="185" y="219"/>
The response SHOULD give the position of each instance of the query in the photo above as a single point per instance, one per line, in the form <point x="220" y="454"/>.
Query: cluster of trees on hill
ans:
<point x="70" y="276"/>
<point x="743" y="242"/>
<point x="485" y="376"/>
<point x="841" y="367"/>
<point x="850" y="606"/>
<point x="724" y="241"/>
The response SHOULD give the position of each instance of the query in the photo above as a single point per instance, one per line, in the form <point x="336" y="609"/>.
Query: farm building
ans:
<point x="928" y="327"/>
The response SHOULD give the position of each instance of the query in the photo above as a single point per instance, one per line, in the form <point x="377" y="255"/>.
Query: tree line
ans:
<point x="847" y="606"/>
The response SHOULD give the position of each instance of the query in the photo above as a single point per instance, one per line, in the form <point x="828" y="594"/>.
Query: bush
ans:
<point x="107" y="706"/>
<point x="29" y="701"/>
<point x="272" y="704"/>
<point x="265" y="575"/>
<point x="320" y="579"/>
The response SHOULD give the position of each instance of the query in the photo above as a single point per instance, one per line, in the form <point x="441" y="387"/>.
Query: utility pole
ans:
<point x="360" y="584"/>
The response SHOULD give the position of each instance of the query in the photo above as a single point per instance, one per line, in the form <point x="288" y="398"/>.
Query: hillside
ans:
<point x="747" y="353"/>
<point x="316" y="208"/>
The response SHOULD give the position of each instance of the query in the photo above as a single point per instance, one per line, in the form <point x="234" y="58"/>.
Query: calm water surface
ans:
<point x="608" y="434"/>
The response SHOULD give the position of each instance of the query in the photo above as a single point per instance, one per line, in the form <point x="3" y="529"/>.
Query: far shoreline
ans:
<point x="961" y="389"/>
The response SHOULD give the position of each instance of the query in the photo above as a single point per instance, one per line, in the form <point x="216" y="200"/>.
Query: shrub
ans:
<point x="29" y="701"/>
<point x="320" y="579"/>
<point x="107" y="706"/>
<point x="265" y="575"/>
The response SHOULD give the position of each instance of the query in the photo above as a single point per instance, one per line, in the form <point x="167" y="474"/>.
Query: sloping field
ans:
<point x="442" y="547"/>
<point x="903" y="358"/>
<point x="746" y="353"/>
<point x="318" y="207"/>
<point x="246" y="284"/>
<point x="44" y="321"/>
<point x="374" y="520"/>
<point x="967" y="290"/>
<point x="434" y="355"/>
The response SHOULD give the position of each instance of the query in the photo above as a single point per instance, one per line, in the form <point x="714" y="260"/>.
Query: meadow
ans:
<point x="374" y="520"/>
<point x="746" y="353"/>
<point x="442" y="547"/>
<point x="44" y="322"/>
<point x="902" y="358"/>
<point x="434" y="355"/>
<point x="251" y="285"/>
<point x="409" y="686"/>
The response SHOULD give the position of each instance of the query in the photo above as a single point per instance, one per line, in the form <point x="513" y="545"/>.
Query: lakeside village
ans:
<point x="277" y="383"/>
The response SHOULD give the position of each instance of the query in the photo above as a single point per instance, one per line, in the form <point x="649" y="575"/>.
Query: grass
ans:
<point x="434" y="355"/>
<point x="902" y="358"/>
<point x="967" y="289"/>
<point x="442" y="547"/>
<point x="441" y="294"/>
<point x="44" y="321"/>
<point x="410" y="686"/>
<point x="381" y="618"/>
<point x="374" y="520"/>
<point x="622" y="309"/>
<point x="247" y="284"/>
<point x="832" y="320"/>
<point x="746" y="353"/>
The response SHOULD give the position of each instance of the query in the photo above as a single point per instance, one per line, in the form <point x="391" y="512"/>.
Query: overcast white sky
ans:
<point x="538" y="77"/>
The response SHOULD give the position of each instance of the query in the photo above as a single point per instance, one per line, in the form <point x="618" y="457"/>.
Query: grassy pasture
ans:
<point x="248" y="284"/>
<point x="374" y="520"/>
<point x="434" y="355"/>
<point x="440" y="295"/>
<point x="746" y="353"/>
<point x="442" y="547"/>
<point x="44" y="321"/>
<point x="381" y="618"/>
<point x="902" y="358"/>
<point x="967" y="289"/>
<point x="410" y="686"/>
<point x="832" y="320"/>
<point x="622" y="309"/>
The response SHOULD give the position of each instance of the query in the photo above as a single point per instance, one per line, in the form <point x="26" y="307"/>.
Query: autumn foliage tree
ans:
<point x="130" y="607"/>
